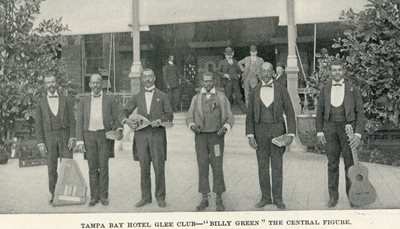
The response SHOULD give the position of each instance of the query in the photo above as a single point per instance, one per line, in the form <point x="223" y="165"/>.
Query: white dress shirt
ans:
<point x="96" y="113"/>
<point x="337" y="93"/>
<point x="53" y="101"/>
<point x="267" y="93"/>
<point x="148" y="96"/>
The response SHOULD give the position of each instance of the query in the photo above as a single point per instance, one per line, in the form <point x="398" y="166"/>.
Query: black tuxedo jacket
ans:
<point x="353" y="106"/>
<point x="42" y="117"/>
<point x="282" y="105"/>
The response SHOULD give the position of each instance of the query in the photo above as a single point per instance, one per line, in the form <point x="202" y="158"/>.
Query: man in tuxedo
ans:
<point x="97" y="114"/>
<point x="229" y="70"/>
<point x="210" y="117"/>
<point x="250" y="66"/>
<point x="339" y="103"/>
<point x="150" y="143"/>
<point x="173" y="79"/>
<point x="55" y="128"/>
<point x="281" y="76"/>
<point x="264" y="121"/>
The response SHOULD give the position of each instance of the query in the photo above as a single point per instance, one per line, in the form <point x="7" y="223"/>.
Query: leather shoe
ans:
<point x="280" y="205"/>
<point x="262" y="203"/>
<point x="203" y="204"/>
<point x="220" y="205"/>
<point x="332" y="203"/>
<point x="93" y="202"/>
<point x="161" y="203"/>
<point x="105" y="202"/>
<point x="141" y="203"/>
<point x="353" y="205"/>
<point x="51" y="200"/>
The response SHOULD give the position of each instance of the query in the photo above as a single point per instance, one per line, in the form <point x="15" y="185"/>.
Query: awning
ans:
<point x="110" y="16"/>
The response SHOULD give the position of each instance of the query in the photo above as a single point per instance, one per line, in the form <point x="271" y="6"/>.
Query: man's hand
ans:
<point x="290" y="140"/>
<point x="119" y="134"/>
<point x="321" y="140"/>
<point x="253" y="143"/>
<point x="131" y="123"/>
<point x="195" y="129"/>
<point x="168" y="87"/>
<point x="156" y="123"/>
<point x="80" y="148"/>
<point x="222" y="131"/>
<point x="71" y="143"/>
<point x="42" y="150"/>
<point x="355" y="141"/>
<point x="227" y="76"/>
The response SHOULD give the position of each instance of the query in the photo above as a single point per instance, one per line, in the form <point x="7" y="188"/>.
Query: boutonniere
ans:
<point x="351" y="88"/>
<point x="214" y="106"/>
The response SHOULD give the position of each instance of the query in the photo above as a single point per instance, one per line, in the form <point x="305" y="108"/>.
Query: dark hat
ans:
<point x="253" y="48"/>
<point x="228" y="51"/>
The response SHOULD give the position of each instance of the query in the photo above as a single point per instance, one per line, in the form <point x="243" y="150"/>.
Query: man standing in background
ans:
<point x="281" y="76"/>
<point x="55" y="128"/>
<point x="229" y="70"/>
<point x="250" y="66"/>
<point x="173" y="79"/>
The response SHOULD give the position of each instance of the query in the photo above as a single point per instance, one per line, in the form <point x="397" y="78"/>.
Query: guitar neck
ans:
<point x="349" y="132"/>
<point x="355" y="156"/>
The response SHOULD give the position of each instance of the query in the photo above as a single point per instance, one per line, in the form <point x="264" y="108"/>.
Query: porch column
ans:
<point x="136" y="65"/>
<point x="292" y="69"/>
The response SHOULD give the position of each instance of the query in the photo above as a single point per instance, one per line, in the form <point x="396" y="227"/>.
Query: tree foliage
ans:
<point x="27" y="53"/>
<point x="372" y="50"/>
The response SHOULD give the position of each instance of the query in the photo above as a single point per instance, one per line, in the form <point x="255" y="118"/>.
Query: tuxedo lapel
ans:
<point x="104" y="103"/>
<point x="277" y="100"/>
<point x="86" y="114"/>
<point x="45" y="108"/>
<point x="328" y="94"/>
<point x="153" y="101"/>
<point x="348" y="97"/>
<point x="257" y="102"/>
<point x="61" y="106"/>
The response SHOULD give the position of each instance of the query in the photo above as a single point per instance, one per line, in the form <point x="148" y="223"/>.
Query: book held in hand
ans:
<point x="282" y="140"/>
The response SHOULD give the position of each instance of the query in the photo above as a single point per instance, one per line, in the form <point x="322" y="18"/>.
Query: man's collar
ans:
<point x="269" y="83"/>
<point x="52" y="95"/>
<point x="97" y="96"/>
<point x="150" y="88"/>
<point x="203" y="91"/>
<point x="339" y="82"/>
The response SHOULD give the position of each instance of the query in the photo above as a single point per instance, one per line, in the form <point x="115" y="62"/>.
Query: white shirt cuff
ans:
<point x="320" y="134"/>
<point x="357" y="134"/>
<point x="291" y="135"/>
<point x="40" y="144"/>
<point x="79" y="143"/>
<point x="191" y="124"/>
<point x="227" y="126"/>
<point x="250" y="135"/>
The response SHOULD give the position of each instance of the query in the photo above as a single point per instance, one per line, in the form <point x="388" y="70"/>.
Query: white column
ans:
<point x="292" y="68"/>
<point x="136" y="65"/>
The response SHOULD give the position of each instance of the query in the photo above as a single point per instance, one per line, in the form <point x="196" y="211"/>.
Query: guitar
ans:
<point x="361" y="192"/>
<point x="143" y="122"/>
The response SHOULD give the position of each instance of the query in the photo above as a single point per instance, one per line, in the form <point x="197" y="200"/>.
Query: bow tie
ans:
<point x="96" y="96"/>
<point x="148" y="90"/>
<point x="53" y="96"/>
<point x="267" y="85"/>
<point x="337" y="84"/>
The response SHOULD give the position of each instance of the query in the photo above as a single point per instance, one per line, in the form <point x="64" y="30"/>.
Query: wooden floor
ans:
<point x="24" y="190"/>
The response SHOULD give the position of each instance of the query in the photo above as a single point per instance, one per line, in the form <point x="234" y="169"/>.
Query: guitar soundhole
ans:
<point x="359" y="177"/>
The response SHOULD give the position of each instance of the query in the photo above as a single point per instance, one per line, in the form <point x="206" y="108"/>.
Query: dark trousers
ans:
<point x="231" y="88"/>
<point x="175" y="98"/>
<point x="151" y="145"/>
<point x="57" y="146"/>
<point x="206" y="144"/>
<point x="97" y="153"/>
<point x="336" y="142"/>
<point x="266" y="153"/>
